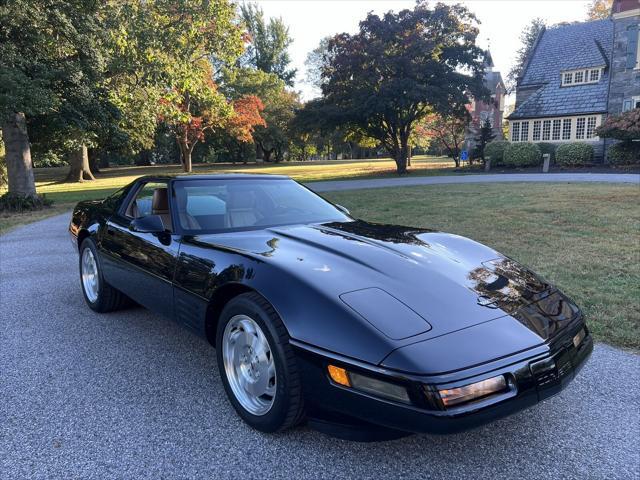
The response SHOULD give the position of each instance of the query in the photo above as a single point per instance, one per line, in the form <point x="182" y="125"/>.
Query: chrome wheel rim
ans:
<point x="249" y="365"/>
<point x="90" y="280"/>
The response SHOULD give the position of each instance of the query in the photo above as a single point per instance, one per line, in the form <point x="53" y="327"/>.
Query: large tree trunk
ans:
<point x="186" y="160"/>
<point x="18" y="156"/>
<point x="79" y="162"/>
<point x="401" y="156"/>
<point x="266" y="153"/>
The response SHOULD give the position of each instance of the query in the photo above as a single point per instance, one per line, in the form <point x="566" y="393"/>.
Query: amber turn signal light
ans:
<point x="339" y="375"/>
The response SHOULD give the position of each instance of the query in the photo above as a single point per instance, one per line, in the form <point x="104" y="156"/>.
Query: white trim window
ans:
<point x="591" y="127"/>
<point x="524" y="131"/>
<point x="630" y="104"/>
<point x="536" y="130"/>
<point x="555" y="133"/>
<point x="546" y="130"/>
<point x="515" y="131"/>
<point x="557" y="130"/>
<point x="582" y="76"/>
<point x="580" y="125"/>
<point x="566" y="128"/>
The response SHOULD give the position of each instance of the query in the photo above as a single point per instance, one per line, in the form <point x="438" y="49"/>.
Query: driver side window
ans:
<point x="151" y="199"/>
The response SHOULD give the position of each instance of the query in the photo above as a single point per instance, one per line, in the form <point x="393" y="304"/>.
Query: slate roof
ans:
<point x="492" y="80"/>
<point x="567" y="47"/>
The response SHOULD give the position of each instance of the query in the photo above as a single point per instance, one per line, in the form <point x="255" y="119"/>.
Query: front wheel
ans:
<point x="99" y="295"/>
<point x="257" y="365"/>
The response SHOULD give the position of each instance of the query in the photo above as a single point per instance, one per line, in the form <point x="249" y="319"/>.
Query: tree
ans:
<point x="399" y="68"/>
<point x="240" y="128"/>
<point x="528" y="39"/>
<point x="279" y="112"/>
<point x="192" y="36"/>
<point x="279" y="107"/>
<point x="624" y="127"/>
<point x="599" y="9"/>
<point x="269" y="43"/>
<point x="316" y="62"/>
<point x="447" y="130"/>
<point x="485" y="135"/>
<point x="50" y="63"/>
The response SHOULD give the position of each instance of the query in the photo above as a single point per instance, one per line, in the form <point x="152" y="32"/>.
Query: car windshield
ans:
<point x="211" y="206"/>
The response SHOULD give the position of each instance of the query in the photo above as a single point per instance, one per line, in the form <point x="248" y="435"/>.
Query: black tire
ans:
<point x="287" y="409"/>
<point x="109" y="299"/>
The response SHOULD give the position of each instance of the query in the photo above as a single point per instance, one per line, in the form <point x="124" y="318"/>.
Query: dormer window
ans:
<point x="581" y="77"/>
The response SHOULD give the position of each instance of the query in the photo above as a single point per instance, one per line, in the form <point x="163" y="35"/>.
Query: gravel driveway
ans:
<point x="132" y="395"/>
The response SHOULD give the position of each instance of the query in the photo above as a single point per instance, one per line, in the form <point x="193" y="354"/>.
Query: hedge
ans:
<point x="495" y="150"/>
<point x="523" y="154"/>
<point x="577" y="153"/>
<point x="549" y="148"/>
<point x="624" y="153"/>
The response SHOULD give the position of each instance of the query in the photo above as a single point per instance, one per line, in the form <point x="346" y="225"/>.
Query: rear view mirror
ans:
<point x="147" y="224"/>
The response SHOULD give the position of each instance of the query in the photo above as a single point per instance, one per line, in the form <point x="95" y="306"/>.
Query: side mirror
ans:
<point x="147" y="224"/>
<point x="343" y="209"/>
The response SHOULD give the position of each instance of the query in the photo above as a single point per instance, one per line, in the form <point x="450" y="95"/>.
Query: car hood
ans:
<point x="410" y="284"/>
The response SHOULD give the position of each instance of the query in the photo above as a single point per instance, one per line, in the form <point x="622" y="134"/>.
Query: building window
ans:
<point x="556" y="130"/>
<point x="566" y="129"/>
<point x="567" y="79"/>
<point x="591" y="127"/>
<point x="633" y="52"/>
<point x="515" y="132"/>
<point x="630" y="104"/>
<point x="524" y="132"/>
<point x="546" y="130"/>
<point x="536" y="130"/>
<point x="581" y="77"/>
<point x="580" y="123"/>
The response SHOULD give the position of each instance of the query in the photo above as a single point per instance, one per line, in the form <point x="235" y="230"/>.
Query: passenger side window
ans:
<point x="151" y="199"/>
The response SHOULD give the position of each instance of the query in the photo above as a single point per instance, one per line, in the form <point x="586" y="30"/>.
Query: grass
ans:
<point x="582" y="237"/>
<point x="50" y="181"/>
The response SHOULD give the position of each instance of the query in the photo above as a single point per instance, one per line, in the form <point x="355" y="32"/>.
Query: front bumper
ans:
<point x="535" y="378"/>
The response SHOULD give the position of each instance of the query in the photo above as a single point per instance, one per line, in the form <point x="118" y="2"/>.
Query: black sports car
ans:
<point x="316" y="315"/>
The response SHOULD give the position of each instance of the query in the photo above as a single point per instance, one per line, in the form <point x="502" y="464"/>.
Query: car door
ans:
<point x="142" y="265"/>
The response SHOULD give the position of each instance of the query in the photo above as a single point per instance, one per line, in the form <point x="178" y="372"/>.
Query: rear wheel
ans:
<point x="257" y="365"/>
<point x="99" y="295"/>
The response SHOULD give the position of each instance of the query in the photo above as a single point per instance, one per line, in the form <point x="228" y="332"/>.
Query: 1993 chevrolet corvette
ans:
<point x="317" y="315"/>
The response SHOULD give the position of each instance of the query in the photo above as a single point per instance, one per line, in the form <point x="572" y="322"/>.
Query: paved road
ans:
<point x="476" y="178"/>
<point x="132" y="395"/>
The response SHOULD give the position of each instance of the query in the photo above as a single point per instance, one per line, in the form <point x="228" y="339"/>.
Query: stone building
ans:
<point x="576" y="75"/>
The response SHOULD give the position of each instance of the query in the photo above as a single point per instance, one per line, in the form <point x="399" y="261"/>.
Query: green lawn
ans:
<point x="50" y="180"/>
<point x="583" y="237"/>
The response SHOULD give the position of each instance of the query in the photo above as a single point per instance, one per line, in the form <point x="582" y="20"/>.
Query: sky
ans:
<point x="502" y="21"/>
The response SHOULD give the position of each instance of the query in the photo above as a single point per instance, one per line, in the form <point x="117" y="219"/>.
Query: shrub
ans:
<point x="624" y="153"/>
<point x="495" y="150"/>
<point x="549" y="148"/>
<point x="11" y="202"/>
<point x="523" y="154"/>
<point x="578" y="153"/>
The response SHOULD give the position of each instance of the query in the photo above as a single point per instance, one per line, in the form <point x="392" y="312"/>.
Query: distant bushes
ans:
<point x="574" y="154"/>
<point x="495" y="151"/>
<point x="625" y="153"/>
<point x="523" y="154"/>
<point x="549" y="148"/>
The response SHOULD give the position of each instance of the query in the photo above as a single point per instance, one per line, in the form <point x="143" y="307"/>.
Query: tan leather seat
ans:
<point x="160" y="206"/>
<point x="187" y="221"/>
<point x="241" y="208"/>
